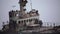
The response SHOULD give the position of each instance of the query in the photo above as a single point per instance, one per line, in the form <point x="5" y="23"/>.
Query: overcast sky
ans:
<point x="49" y="10"/>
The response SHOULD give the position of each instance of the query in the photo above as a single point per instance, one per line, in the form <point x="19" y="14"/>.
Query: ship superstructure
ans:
<point x="19" y="20"/>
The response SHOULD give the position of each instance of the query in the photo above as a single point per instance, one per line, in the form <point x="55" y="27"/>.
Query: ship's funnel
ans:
<point x="22" y="4"/>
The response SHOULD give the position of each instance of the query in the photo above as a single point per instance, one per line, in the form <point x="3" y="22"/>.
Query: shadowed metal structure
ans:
<point x="20" y="21"/>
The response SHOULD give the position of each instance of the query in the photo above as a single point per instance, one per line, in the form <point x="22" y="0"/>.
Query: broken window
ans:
<point x="19" y="22"/>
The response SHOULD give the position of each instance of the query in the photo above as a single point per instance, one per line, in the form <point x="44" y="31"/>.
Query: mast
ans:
<point x="31" y="4"/>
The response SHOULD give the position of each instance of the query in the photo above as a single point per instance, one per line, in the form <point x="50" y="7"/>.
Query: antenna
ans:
<point x="31" y="4"/>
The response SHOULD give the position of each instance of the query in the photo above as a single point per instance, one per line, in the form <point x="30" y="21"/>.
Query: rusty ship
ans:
<point x="22" y="22"/>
